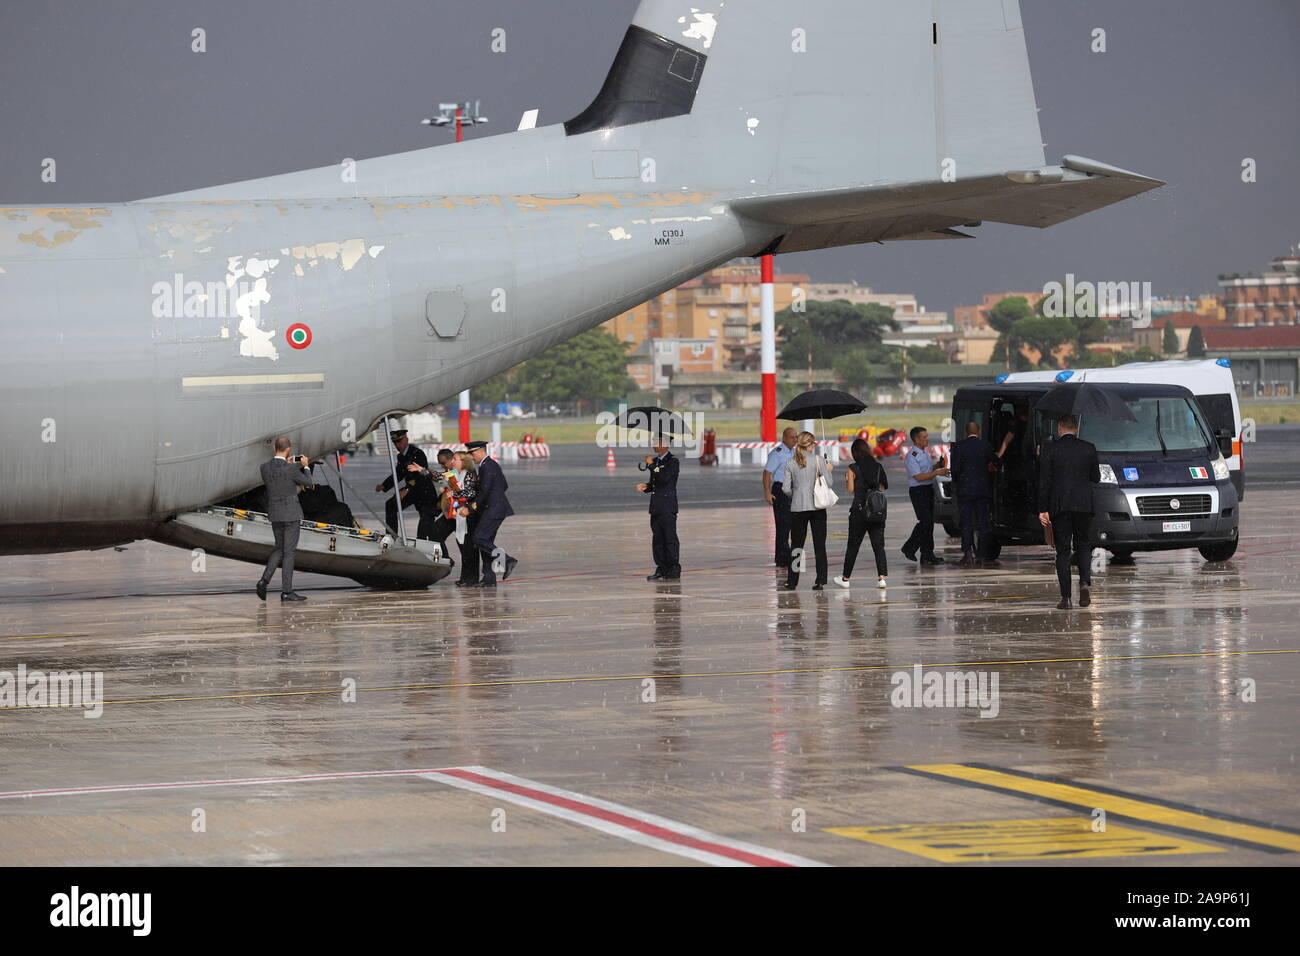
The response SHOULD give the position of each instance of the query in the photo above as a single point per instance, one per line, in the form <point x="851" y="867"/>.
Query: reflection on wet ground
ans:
<point x="759" y="717"/>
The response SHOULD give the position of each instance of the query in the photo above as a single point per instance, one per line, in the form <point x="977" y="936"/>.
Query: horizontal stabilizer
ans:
<point x="875" y="213"/>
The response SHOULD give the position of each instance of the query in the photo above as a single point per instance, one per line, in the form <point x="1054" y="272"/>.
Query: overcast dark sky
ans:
<point x="1187" y="89"/>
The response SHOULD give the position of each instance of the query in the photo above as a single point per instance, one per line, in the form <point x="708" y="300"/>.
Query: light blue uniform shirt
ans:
<point x="918" y="462"/>
<point x="776" y="460"/>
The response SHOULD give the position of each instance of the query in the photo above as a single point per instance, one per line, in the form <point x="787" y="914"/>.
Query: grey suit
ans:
<point x="282" y="480"/>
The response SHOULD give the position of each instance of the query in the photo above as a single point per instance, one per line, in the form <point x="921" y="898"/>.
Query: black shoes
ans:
<point x="1085" y="595"/>
<point x="967" y="559"/>
<point x="654" y="577"/>
<point x="484" y="584"/>
<point x="910" y="555"/>
<point x="261" y="590"/>
<point x="291" y="596"/>
<point x="932" y="559"/>
<point x="819" y="587"/>
<point x="510" y="567"/>
<point x="1065" y="605"/>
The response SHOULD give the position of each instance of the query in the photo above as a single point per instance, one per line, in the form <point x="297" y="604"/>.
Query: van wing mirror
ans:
<point x="1224" y="439"/>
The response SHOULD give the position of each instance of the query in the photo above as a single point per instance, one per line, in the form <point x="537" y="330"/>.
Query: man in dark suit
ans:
<point x="283" y="477"/>
<point x="410" y="492"/>
<point x="493" y="508"/>
<point x="1066" y="474"/>
<point x="662" y="489"/>
<point x="430" y="488"/>
<point x="973" y="461"/>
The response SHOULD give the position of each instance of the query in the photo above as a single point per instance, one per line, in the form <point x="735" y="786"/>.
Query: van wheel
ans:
<point x="1218" y="552"/>
<point x="1122" y="556"/>
<point x="952" y="530"/>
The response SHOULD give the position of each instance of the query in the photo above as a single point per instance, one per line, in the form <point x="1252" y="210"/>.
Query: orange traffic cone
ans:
<point x="609" y="459"/>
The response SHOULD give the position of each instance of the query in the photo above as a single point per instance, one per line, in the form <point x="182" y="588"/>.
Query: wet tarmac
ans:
<point x="581" y="715"/>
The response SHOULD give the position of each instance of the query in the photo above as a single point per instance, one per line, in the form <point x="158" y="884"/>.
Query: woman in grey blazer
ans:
<point x="798" y="477"/>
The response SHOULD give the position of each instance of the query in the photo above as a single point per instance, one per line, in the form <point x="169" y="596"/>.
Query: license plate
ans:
<point x="1177" y="526"/>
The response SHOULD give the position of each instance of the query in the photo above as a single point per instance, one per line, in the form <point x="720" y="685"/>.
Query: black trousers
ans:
<point x="486" y="539"/>
<point x="922" y="536"/>
<point x="663" y="544"/>
<point x="858" y="529"/>
<point x="435" y="526"/>
<point x="781" y="515"/>
<point x="799" y="523"/>
<point x="975" y="513"/>
<point x="1072" y="531"/>
<point x="286" y="542"/>
<point x="390" y="515"/>
<point x="469" y="555"/>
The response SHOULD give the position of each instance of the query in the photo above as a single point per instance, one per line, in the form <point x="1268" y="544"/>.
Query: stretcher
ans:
<point x="371" y="558"/>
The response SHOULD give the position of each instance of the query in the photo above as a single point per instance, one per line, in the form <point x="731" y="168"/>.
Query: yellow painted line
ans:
<point x="310" y="692"/>
<point x="1115" y="805"/>
<point x="32" y="637"/>
<point x="989" y="841"/>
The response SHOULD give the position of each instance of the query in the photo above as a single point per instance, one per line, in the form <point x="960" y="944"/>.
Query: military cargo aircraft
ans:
<point x="152" y="349"/>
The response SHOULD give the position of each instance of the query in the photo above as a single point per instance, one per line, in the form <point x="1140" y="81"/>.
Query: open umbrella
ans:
<point x="821" y="403"/>
<point x="655" y="420"/>
<point x="1084" y="398"/>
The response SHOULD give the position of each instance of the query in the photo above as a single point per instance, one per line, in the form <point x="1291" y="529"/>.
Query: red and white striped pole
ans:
<point x="464" y="396"/>
<point x="767" y="345"/>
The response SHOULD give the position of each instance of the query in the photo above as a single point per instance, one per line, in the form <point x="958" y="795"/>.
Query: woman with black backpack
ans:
<point x="867" y="482"/>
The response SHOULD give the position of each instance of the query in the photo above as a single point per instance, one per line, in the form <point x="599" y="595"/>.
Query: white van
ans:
<point x="1210" y="380"/>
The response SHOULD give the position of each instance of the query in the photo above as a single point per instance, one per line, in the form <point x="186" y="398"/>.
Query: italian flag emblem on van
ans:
<point x="1198" y="472"/>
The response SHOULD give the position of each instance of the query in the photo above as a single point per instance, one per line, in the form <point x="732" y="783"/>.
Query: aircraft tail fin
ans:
<point x="831" y="92"/>
<point x="781" y="101"/>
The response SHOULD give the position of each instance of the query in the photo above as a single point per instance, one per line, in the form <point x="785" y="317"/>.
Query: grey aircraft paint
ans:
<point x="153" y="349"/>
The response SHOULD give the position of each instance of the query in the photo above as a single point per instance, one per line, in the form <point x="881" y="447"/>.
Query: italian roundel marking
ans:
<point x="298" y="336"/>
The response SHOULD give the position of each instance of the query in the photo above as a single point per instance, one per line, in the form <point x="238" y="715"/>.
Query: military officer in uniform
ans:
<point x="920" y="488"/>
<point x="493" y="508"/>
<point x="662" y="489"/>
<point x="406" y="454"/>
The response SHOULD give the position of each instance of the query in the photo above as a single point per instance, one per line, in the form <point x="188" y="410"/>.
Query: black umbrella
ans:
<point x="657" y="421"/>
<point x="821" y="403"/>
<point x="1084" y="398"/>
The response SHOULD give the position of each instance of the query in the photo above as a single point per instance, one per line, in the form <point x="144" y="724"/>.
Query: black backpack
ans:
<point x="876" y="506"/>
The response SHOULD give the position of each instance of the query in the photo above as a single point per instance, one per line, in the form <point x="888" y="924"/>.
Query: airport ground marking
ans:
<point x="841" y="668"/>
<point x="1040" y="839"/>
<point x="627" y="823"/>
<point x="1118" y="804"/>
<point x="645" y="829"/>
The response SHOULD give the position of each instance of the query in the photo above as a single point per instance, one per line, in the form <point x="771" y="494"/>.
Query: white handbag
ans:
<point x="823" y="496"/>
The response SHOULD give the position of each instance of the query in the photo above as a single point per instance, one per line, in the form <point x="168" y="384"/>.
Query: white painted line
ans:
<point x="198" y="784"/>
<point x="646" y="829"/>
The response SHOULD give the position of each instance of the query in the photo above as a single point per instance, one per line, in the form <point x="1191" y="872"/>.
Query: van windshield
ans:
<point x="1164" y="426"/>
